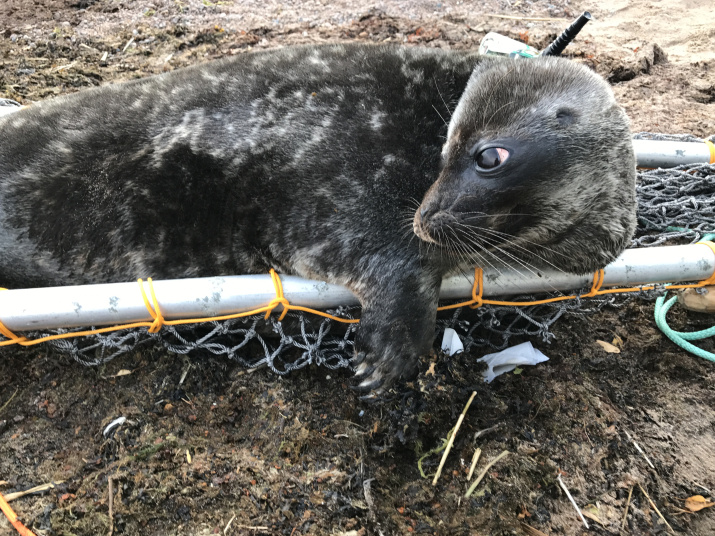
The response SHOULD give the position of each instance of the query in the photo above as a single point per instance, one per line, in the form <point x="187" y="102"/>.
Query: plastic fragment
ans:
<point x="451" y="343"/>
<point x="499" y="362"/>
<point x="112" y="425"/>
<point x="510" y="358"/>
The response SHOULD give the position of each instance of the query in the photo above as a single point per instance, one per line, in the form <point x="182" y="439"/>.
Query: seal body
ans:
<point x="379" y="168"/>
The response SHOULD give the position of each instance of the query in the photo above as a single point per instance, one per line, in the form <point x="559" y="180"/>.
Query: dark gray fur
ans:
<point x="314" y="161"/>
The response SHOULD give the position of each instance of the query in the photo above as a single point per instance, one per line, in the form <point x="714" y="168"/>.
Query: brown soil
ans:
<point x="226" y="450"/>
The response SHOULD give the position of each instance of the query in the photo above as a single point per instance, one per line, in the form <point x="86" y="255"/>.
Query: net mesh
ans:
<point x="675" y="205"/>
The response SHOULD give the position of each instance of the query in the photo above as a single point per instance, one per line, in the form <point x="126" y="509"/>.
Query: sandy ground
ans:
<point x="210" y="448"/>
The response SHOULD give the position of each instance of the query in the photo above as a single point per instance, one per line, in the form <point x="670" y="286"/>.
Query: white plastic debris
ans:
<point x="451" y="343"/>
<point x="500" y="362"/>
<point x="114" y="424"/>
<point x="510" y="358"/>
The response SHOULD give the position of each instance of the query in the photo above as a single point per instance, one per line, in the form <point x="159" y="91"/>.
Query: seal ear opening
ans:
<point x="566" y="117"/>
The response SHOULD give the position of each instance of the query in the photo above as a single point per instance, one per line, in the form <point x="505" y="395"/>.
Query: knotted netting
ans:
<point x="675" y="205"/>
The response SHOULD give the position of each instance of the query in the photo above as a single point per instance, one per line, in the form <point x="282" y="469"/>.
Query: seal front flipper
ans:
<point x="397" y="326"/>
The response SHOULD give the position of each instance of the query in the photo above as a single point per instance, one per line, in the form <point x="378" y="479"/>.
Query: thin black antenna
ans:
<point x="562" y="41"/>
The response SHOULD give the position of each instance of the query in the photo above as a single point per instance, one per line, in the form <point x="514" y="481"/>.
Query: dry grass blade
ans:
<point x="475" y="459"/>
<point x="484" y="472"/>
<point x="37" y="489"/>
<point x="451" y="439"/>
<point x="6" y="404"/>
<point x="531" y="531"/>
<point x="628" y="503"/>
<point x="639" y="449"/>
<point x="568" y="494"/>
<point x="110" y="493"/>
<point x="656" y="509"/>
<point x="228" y="525"/>
<point x="610" y="348"/>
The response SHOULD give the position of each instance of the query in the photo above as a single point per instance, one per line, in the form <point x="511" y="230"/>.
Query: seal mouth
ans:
<point x="433" y="226"/>
<point x="458" y="225"/>
<point x="516" y="237"/>
<point x="457" y="236"/>
<point x="495" y="240"/>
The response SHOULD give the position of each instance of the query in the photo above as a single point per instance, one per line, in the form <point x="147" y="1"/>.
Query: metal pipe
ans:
<point x="665" y="154"/>
<point x="121" y="303"/>
<point x="668" y="264"/>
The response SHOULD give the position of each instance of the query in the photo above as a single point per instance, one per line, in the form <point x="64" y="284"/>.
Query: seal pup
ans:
<point x="379" y="168"/>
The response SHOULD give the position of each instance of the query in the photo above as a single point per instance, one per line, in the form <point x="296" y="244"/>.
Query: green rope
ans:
<point x="709" y="237"/>
<point x="679" y="337"/>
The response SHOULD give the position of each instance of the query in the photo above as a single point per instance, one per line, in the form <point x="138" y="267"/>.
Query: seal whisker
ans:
<point x="513" y="243"/>
<point x="440" y="115"/>
<point x="493" y="243"/>
<point x="436" y="86"/>
<point x="499" y="214"/>
<point x="524" y="264"/>
<point x="472" y="251"/>
<point x="514" y="258"/>
<point x="531" y="253"/>
<point x="470" y="255"/>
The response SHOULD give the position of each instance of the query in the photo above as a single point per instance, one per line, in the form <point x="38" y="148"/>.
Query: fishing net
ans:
<point x="675" y="205"/>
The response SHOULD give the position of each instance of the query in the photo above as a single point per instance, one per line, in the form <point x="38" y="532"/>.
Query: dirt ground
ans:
<point x="210" y="448"/>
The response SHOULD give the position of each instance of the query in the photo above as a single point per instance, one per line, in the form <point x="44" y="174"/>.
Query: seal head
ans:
<point x="538" y="169"/>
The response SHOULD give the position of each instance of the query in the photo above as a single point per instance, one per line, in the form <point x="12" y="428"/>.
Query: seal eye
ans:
<point x="492" y="157"/>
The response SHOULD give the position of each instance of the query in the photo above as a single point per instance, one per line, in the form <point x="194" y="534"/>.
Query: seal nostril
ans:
<point x="426" y="212"/>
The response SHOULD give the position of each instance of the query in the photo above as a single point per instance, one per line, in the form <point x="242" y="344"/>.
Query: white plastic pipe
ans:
<point x="666" y="154"/>
<point x="121" y="303"/>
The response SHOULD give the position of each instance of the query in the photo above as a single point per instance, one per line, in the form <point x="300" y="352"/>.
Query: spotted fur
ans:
<point x="315" y="161"/>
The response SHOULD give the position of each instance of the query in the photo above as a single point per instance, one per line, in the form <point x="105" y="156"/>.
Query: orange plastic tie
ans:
<point x="477" y="288"/>
<point x="711" y="146"/>
<point x="279" y="299"/>
<point x="154" y="311"/>
<point x="12" y="518"/>
<point x="598" y="278"/>
<point x="10" y="335"/>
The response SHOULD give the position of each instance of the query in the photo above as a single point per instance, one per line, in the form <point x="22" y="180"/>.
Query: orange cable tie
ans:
<point x="279" y="299"/>
<point x="598" y="277"/>
<point x="477" y="288"/>
<point x="154" y="310"/>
